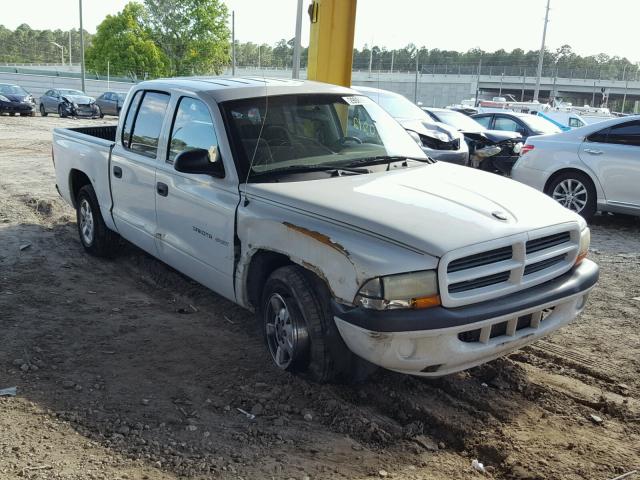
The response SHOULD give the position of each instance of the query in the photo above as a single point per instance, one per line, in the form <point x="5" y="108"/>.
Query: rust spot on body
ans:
<point x="320" y="237"/>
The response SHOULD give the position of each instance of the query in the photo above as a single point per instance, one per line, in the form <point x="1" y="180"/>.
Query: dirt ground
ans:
<point x="126" y="369"/>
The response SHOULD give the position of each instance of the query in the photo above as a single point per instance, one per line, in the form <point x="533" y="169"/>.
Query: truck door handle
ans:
<point x="593" y="152"/>
<point x="162" y="188"/>
<point x="117" y="172"/>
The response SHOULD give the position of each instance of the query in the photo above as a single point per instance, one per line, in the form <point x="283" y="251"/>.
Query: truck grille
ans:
<point x="494" y="269"/>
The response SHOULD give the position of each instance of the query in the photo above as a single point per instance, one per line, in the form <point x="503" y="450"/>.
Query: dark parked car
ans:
<point x="110" y="103"/>
<point x="525" y="124"/>
<point x="15" y="99"/>
<point x="68" y="103"/>
<point x="490" y="150"/>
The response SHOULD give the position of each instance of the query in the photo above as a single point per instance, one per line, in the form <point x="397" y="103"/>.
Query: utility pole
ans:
<point x="392" y="52"/>
<point x="536" y="92"/>
<point x="70" y="48"/>
<point x="524" y="79"/>
<point x="501" y="80"/>
<point x="258" y="57"/>
<point x="81" y="47"/>
<point x="478" y="83"/>
<point x="370" y="59"/>
<point x="626" y="86"/>
<point x="296" y="47"/>
<point x="415" y="92"/>
<point x="233" y="43"/>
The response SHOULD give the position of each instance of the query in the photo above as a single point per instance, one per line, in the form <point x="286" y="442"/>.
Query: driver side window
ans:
<point x="192" y="129"/>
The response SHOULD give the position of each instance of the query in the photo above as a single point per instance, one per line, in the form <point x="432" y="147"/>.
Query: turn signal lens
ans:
<point x="585" y="241"/>
<point x="426" y="302"/>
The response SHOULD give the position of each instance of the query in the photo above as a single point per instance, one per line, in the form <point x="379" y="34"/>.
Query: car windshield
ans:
<point x="398" y="106"/>
<point x="540" y="125"/>
<point x="12" y="90"/>
<point x="313" y="131"/>
<point x="459" y="121"/>
<point x="71" y="92"/>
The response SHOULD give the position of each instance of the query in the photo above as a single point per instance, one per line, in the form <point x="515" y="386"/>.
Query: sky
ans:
<point x="589" y="26"/>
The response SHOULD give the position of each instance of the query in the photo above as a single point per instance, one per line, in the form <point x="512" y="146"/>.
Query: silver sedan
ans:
<point x="589" y="169"/>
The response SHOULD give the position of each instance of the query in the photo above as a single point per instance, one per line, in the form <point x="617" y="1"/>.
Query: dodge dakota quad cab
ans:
<point x="311" y="206"/>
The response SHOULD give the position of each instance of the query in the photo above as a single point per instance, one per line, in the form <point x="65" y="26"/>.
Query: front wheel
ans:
<point x="299" y="329"/>
<point x="61" y="112"/>
<point x="96" y="238"/>
<point x="43" y="112"/>
<point x="575" y="191"/>
<point x="100" y="114"/>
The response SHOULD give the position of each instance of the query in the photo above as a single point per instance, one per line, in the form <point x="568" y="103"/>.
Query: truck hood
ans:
<point x="79" y="99"/>
<point x="433" y="208"/>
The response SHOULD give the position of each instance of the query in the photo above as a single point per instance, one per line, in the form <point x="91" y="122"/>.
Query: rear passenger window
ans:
<point x="599" y="137"/>
<point x="625" y="134"/>
<point x="128" y="122"/>
<point x="148" y="123"/>
<point x="192" y="128"/>
<point x="506" y="124"/>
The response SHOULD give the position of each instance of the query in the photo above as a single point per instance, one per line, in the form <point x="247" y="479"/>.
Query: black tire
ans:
<point x="61" y="112"/>
<point x="43" y="112"/>
<point x="321" y="355"/>
<point x="102" y="242"/>
<point x="100" y="114"/>
<point x="585" y="203"/>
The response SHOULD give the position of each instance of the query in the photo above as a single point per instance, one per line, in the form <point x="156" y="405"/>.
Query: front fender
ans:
<point x="342" y="255"/>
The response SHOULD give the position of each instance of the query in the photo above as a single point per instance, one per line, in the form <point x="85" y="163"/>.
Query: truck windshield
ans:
<point x="311" y="130"/>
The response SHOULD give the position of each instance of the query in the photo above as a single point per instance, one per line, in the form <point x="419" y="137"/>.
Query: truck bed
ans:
<point x="106" y="132"/>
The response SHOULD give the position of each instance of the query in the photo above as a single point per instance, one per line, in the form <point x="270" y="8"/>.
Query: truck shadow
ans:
<point x="150" y="364"/>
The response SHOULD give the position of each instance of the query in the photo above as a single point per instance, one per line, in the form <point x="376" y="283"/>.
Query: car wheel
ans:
<point x="61" y="112"/>
<point x="299" y="329"/>
<point x="575" y="191"/>
<point x="100" y="114"/>
<point x="43" y="112"/>
<point x="95" y="237"/>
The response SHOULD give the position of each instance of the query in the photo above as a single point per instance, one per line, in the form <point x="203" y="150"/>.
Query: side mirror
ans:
<point x="201" y="161"/>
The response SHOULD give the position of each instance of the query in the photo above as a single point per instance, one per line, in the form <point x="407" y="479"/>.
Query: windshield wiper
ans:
<point x="378" y="159"/>
<point x="335" y="170"/>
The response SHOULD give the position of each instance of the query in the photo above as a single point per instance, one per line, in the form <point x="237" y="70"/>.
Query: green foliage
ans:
<point x="192" y="33"/>
<point x="25" y="45"/>
<point x="124" y="41"/>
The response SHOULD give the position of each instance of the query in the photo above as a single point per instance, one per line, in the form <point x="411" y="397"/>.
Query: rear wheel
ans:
<point x="575" y="191"/>
<point x="43" y="112"/>
<point x="299" y="329"/>
<point x="96" y="238"/>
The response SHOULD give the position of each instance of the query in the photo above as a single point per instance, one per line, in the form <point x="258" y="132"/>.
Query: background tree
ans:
<point x="125" y="42"/>
<point x="192" y="33"/>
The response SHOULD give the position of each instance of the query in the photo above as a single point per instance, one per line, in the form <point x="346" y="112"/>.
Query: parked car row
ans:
<point x="588" y="169"/>
<point x="64" y="102"/>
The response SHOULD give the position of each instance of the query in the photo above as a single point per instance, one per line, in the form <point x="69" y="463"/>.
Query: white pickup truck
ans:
<point x="311" y="206"/>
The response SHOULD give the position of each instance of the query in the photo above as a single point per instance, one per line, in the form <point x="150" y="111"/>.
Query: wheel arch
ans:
<point x="77" y="180"/>
<point x="556" y="174"/>
<point x="263" y="263"/>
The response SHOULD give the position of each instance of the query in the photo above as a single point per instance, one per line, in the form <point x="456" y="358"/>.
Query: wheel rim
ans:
<point x="86" y="222"/>
<point x="286" y="337"/>
<point x="572" y="194"/>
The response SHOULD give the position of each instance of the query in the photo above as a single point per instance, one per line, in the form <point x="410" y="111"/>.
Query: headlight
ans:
<point x="443" y="137"/>
<point x="4" y="99"/>
<point x="489" y="151"/>
<point x="517" y="147"/>
<point x="585" y="241"/>
<point x="406" y="290"/>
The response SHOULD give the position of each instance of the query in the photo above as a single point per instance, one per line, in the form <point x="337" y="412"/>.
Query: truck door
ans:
<point x="133" y="169"/>
<point x="195" y="212"/>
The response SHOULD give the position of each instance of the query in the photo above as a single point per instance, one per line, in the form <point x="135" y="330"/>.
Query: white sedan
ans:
<point x="589" y="169"/>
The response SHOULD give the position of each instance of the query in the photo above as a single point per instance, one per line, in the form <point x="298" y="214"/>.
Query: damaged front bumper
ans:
<point x="439" y="341"/>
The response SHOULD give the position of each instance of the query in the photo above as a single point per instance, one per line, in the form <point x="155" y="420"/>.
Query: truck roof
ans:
<point x="233" y="88"/>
